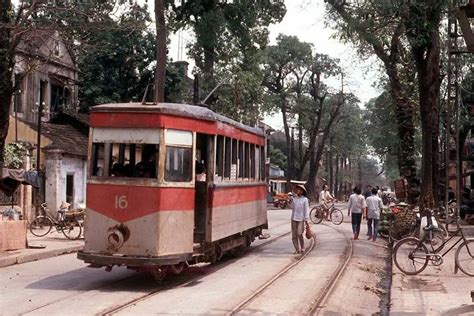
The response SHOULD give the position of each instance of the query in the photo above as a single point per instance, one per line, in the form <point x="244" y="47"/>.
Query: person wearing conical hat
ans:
<point x="299" y="217"/>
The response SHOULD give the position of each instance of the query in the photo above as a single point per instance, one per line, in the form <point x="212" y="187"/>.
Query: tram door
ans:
<point x="202" y="179"/>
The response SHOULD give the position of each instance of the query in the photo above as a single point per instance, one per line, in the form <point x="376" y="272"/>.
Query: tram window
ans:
<point x="247" y="161"/>
<point x="233" y="168"/>
<point x="219" y="157"/>
<point x="241" y="160"/>
<point x="263" y="164"/>
<point x="97" y="159"/>
<point x="252" y="161"/>
<point x="178" y="164"/>
<point x="124" y="160"/>
<point x="227" y="157"/>
<point x="257" y="163"/>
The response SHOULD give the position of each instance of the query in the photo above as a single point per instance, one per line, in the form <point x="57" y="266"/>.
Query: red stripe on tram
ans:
<point x="124" y="203"/>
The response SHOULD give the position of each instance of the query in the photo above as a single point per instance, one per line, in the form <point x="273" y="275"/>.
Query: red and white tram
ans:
<point x="171" y="184"/>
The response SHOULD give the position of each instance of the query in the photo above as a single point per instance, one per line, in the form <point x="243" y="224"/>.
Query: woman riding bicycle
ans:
<point x="325" y="198"/>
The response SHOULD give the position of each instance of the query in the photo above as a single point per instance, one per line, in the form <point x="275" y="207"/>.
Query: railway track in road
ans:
<point x="181" y="281"/>
<point x="324" y="294"/>
<point x="321" y="299"/>
<point x="277" y="276"/>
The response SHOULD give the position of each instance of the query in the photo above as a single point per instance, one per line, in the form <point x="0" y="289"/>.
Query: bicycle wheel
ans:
<point x="41" y="226"/>
<point x="410" y="256"/>
<point x="71" y="228"/>
<point x="464" y="257"/>
<point x="336" y="216"/>
<point x="316" y="215"/>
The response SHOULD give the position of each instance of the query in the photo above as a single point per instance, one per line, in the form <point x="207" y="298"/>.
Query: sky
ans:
<point x="305" y="19"/>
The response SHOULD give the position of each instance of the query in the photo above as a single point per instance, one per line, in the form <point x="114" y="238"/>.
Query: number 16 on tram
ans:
<point x="170" y="185"/>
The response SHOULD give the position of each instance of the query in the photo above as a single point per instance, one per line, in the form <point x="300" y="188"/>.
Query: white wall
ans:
<point x="57" y="168"/>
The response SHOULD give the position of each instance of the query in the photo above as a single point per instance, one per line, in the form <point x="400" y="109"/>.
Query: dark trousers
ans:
<point x="372" y="231"/>
<point x="356" y="220"/>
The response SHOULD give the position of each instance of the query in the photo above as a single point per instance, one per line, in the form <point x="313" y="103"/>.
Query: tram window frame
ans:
<point x="179" y="140"/>
<point x="219" y="157"/>
<point x="183" y="171"/>
<point x="235" y="160"/>
<point x="118" y="155"/>
<point x="240" y="159"/>
<point x="257" y="162"/>
<point x="252" y="162"/>
<point x="247" y="161"/>
<point x="227" y="157"/>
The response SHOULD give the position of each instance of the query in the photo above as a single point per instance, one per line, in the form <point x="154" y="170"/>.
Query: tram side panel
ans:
<point x="237" y="209"/>
<point x="153" y="221"/>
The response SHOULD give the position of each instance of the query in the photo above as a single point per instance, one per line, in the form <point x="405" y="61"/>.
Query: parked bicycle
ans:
<point x="412" y="255"/>
<point x="319" y="213"/>
<point x="66" y="223"/>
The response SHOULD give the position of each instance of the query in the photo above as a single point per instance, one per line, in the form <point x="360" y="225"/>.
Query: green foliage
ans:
<point x="277" y="157"/>
<point x="116" y="65"/>
<point x="229" y="37"/>
<point x="13" y="155"/>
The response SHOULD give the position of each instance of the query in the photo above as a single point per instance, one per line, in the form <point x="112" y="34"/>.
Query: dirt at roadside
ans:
<point x="364" y="288"/>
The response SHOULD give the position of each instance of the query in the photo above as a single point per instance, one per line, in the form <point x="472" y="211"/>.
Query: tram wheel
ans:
<point x="176" y="268"/>
<point x="157" y="274"/>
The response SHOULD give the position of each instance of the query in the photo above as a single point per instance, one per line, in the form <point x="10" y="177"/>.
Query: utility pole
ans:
<point x="160" y="73"/>
<point x="38" y="152"/>
<point x="292" y="153"/>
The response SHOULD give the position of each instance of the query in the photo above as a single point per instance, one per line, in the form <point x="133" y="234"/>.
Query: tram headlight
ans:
<point x="116" y="236"/>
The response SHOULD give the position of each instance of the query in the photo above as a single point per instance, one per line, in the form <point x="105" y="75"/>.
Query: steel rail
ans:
<point x="267" y="284"/>
<point x="317" y="304"/>
<point x="180" y="283"/>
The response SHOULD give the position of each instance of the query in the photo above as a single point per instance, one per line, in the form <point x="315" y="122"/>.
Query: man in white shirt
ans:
<point x="374" y="207"/>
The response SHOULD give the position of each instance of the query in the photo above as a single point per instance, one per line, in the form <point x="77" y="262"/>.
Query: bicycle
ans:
<point x="68" y="225"/>
<point x="411" y="255"/>
<point x="318" y="213"/>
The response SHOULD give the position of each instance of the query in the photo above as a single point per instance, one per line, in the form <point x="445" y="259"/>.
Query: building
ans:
<point x="45" y="73"/>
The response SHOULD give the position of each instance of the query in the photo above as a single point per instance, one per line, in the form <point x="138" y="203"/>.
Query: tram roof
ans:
<point x="176" y="109"/>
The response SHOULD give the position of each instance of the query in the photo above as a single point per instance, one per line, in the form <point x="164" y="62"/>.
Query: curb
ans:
<point x="18" y="259"/>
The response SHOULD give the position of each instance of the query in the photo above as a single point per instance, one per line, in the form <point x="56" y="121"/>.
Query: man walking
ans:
<point x="374" y="207"/>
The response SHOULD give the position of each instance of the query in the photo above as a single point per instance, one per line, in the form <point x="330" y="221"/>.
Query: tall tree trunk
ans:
<point x="160" y="73"/>
<point x="336" y="177"/>
<point x="423" y="32"/>
<point x="404" y="113"/>
<point x="288" y="140"/>
<point x="331" y="165"/>
<point x="300" y="146"/>
<point x="428" y="68"/>
<point x="6" y="73"/>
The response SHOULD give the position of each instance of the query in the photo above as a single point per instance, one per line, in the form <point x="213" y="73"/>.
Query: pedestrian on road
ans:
<point x="374" y="207"/>
<point x="325" y="198"/>
<point x="299" y="217"/>
<point x="368" y="192"/>
<point x="356" y="206"/>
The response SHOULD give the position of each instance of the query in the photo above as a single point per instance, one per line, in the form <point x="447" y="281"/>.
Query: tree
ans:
<point x="228" y="38"/>
<point x="377" y="27"/>
<point x="422" y="30"/>
<point x="75" y="20"/>
<point x="116" y="65"/>
<point x="279" y="62"/>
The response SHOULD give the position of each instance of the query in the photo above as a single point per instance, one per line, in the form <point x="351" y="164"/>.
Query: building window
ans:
<point x="70" y="188"/>
<point x="17" y="97"/>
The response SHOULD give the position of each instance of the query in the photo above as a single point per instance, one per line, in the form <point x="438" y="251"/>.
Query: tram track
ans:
<point x="170" y="283"/>
<point x="316" y="305"/>
<point x="177" y="283"/>
<point x="257" y="293"/>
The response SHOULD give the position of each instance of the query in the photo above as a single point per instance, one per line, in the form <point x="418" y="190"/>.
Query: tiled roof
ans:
<point x="66" y="138"/>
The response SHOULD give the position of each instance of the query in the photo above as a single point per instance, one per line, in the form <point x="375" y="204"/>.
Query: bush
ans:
<point x="13" y="155"/>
